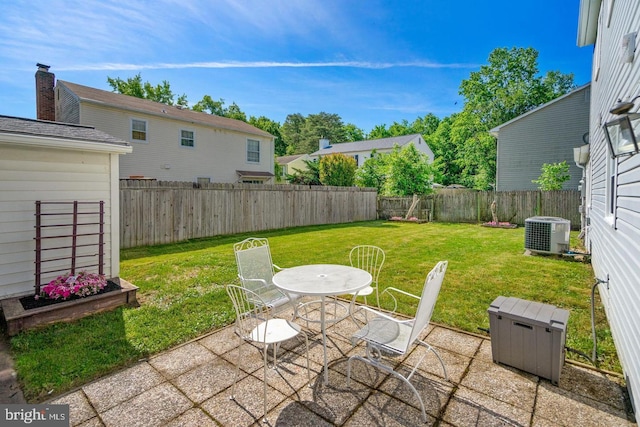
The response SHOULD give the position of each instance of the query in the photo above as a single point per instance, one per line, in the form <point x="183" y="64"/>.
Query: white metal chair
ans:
<point x="255" y="324"/>
<point x="394" y="337"/>
<point x="369" y="258"/>
<point x="256" y="270"/>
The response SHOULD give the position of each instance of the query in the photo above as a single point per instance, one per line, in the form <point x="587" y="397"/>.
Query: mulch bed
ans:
<point x="30" y="302"/>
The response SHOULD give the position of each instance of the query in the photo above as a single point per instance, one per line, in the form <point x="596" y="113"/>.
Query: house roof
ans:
<point x="254" y="174"/>
<point x="367" y="145"/>
<point x="496" y="130"/>
<point x="283" y="160"/>
<point x="131" y="103"/>
<point x="58" y="131"/>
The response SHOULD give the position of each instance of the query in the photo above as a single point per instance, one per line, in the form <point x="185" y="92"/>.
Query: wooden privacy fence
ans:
<point x="155" y="212"/>
<point x="475" y="206"/>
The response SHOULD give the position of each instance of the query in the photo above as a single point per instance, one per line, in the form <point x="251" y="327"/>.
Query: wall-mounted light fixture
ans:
<point x="621" y="132"/>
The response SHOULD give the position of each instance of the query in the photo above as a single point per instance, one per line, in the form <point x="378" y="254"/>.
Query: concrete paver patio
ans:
<point x="190" y="386"/>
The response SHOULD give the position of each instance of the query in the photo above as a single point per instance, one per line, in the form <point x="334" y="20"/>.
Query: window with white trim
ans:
<point x="253" y="151"/>
<point x="187" y="138"/>
<point x="138" y="130"/>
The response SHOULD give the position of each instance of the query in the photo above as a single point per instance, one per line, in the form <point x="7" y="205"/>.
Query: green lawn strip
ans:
<point x="182" y="293"/>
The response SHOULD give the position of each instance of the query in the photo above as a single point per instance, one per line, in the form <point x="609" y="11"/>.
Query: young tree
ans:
<point x="337" y="169"/>
<point x="553" y="176"/>
<point x="309" y="176"/>
<point x="409" y="172"/>
<point x="373" y="172"/>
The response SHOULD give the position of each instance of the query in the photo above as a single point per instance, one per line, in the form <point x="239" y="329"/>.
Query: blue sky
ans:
<point x="370" y="61"/>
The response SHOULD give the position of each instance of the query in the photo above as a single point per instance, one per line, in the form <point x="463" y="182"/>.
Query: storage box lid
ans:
<point x="530" y="311"/>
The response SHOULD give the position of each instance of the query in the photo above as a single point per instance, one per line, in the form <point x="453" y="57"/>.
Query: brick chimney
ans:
<point x="45" y="100"/>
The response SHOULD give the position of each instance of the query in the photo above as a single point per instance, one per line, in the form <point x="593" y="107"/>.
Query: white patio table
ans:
<point x="322" y="280"/>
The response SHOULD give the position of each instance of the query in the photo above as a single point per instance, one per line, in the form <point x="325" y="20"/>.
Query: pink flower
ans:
<point x="66" y="286"/>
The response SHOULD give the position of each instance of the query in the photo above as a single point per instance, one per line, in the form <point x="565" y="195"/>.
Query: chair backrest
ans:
<point x="428" y="299"/>
<point x="250" y="312"/>
<point x="369" y="258"/>
<point x="253" y="258"/>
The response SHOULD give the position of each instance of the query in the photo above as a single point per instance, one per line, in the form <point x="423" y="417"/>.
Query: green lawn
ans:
<point x="182" y="293"/>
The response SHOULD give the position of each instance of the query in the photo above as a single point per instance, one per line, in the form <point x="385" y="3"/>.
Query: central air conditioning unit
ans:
<point x="547" y="234"/>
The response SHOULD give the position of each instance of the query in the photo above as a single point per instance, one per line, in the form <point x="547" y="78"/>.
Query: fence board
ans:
<point x="155" y="212"/>
<point x="166" y="212"/>
<point x="475" y="206"/>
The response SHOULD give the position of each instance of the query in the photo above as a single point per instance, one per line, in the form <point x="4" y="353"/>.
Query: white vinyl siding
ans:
<point x="614" y="234"/>
<point x="187" y="138"/>
<point x="253" y="151"/>
<point x="138" y="130"/>
<point x="547" y="135"/>
<point x="28" y="174"/>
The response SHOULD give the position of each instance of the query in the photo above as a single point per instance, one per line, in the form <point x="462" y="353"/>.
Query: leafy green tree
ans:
<point x="553" y="176"/>
<point x="291" y="132"/>
<point x="445" y="151"/>
<point x="379" y="132"/>
<point x="234" y="112"/>
<point x="425" y="125"/>
<point x="500" y="91"/>
<point x="373" y="172"/>
<point x="133" y="86"/>
<point x="510" y="86"/>
<point x="309" y="176"/>
<point x="277" y="170"/>
<point x="353" y="133"/>
<point x="317" y="126"/>
<point x="337" y="169"/>
<point x="208" y="105"/>
<point x="408" y="172"/>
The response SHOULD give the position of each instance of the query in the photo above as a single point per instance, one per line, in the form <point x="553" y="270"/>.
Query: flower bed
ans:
<point x="494" y="224"/>
<point x="20" y="315"/>
<point x="411" y="219"/>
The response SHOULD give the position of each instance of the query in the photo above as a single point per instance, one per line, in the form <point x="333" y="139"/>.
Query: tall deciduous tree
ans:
<point x="133" y="86"/>
<point x="321" y="125"/>
<point x="500" y="91"/>
<point x="291" y="132"/>
<point x="337" y="169"/>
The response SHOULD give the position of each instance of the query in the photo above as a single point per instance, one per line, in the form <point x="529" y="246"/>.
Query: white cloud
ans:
<point x="261" y="64"/>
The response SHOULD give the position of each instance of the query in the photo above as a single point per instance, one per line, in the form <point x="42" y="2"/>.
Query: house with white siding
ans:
<point x="613" y="183"/>
<point x="361" y="150"/>
<point x="289" y="164"/>
<point x="546" y="134"/>
<point x="53" y="162"/>
<point x="170" y="143"/>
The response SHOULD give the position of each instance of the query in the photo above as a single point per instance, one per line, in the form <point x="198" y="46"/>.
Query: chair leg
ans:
<point x="235" y="379"/>
<point x="264" y="386"/>
<point x="391" y="371"/>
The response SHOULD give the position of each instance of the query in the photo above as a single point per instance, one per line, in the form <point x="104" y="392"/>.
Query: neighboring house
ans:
<point x="170" y="143"/>
<point x="613" y="184"/>
<point x="50" y="161"/>
<point x="546" y="134"/>
<point x="289" y="164"/>
<point x="361" y="150"/>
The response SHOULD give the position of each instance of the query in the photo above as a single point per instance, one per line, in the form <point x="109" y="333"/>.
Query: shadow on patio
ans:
<point x="190" y="385"/>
